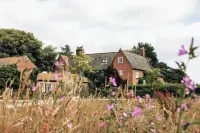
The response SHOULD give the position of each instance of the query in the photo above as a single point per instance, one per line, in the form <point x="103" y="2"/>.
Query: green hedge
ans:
<point x="176" y="89"/>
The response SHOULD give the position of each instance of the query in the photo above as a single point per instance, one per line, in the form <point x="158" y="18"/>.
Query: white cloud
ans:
<point x="107" y="25"/>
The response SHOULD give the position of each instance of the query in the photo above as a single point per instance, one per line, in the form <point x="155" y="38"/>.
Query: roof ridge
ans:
<point x="13" y="57"/>
<point x="101" y="53"/>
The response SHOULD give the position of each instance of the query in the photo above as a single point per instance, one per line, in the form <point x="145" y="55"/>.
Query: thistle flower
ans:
<point x="182" y="51"/>
<point x="113" y="81"/>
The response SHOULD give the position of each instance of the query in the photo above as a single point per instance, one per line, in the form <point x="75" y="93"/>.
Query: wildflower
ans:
<point x="184" y="106"/>
<point x="178" y="109"/>
<point x="130" y="94"/>
<point x="139" y="99"/>
<point x="124" y="114"/>
<point x="196" y="131"/>
<point x="182" y="51"/>
<point x="73" y="113"/>
<point x="148" y="96"/>
<point x="158" y="117"/>
<point x="62" y="98"/>
<point x="95" y="113"/>
<point x="101" y="124"/>
<point x="57" y="64"/>
<point x="113" y="93"/>
<point x="58" y="76"/>
<point x="33" y="88"/>
<point x="53" y="89"/>
<point x="137" y="112"/>
<point x="148" y="105"/>
<point x="112" y="80"/>
<point x="109" y="107"/>
<point x="69" y="125"/>
<point x="153" y="131"/>
<point x="189" y="83"/>
<point x="187" y="91"/>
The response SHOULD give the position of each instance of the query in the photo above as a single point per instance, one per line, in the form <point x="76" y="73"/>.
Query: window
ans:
<point x="104" y="61"/>
<point x="137" y="75"/>
<point x="120" y="72"/>
<point x="47" y="87"/>
<point x="120" y="60"/>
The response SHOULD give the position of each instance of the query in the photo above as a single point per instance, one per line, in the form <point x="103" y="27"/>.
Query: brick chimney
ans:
<point x="79" y="49"/>
<point x="142" y="52"/>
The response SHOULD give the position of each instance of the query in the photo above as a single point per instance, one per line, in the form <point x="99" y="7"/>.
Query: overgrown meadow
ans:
<point x="64" y="111"/>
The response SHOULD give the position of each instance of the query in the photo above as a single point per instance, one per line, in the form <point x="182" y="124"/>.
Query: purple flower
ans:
<point x="184" y="106"/>
<point x="101" y="124"/>
<point x="189" y="83"/>
<point x="57" y="64"/>
<point x="187" y="91"/>
<point x="182" y="51"/>
<point x="62" y="98"/>
<point x="33" y="88"/>
<point x="69" y="125"/>
<point x="109" y="107"/>
<point x="58" y="76"/>
<point x="130" y="94"/>
<point x="137" y="112"/>
<point x="124" y="114"/>
<point x="113" y="93"/>
<point x="158" y="117"/>
<point x="112" y="80"/>
<point x="139" y="99"/>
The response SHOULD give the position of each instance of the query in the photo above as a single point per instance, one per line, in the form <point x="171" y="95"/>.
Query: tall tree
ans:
<point x="66" y="50"/>
<point x="149" y="52"/>
<point x="170" y="74"/>
<point x="81" y="63"/>
<point x="15" y="42"/>
<point x="47" y="56"/>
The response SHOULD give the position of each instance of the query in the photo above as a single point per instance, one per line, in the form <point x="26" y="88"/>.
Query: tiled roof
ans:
<point x="137" y="61"/>
<point x="47" y="77"/>
<point x="22" y="62"/>
<point x="99" y="57"/>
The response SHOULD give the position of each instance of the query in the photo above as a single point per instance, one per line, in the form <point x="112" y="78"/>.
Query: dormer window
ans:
<point x="120" y="60"/>
<point x="104" y="61"/>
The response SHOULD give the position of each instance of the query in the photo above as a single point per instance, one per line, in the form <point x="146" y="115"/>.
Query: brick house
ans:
<point x="130" y="66"/>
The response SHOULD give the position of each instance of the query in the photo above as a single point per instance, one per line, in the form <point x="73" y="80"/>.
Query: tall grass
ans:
<point x="63" y="111"/>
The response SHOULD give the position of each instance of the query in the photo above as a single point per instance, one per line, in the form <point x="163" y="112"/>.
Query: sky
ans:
<point x="107" y="25"/>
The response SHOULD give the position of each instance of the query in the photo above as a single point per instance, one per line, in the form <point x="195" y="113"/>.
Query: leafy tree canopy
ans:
<point x="66" y="50"/>
<point x="19" y="43"/>
<point x="8" y="73"/>
<point x="81" y="63"/>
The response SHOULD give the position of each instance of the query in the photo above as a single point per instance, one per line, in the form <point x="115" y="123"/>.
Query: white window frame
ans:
<point x="104" y="61"/>
<point x="120" y="60"/>
<point x="120" y="72"/>
<point x="47" y="87"/>
<point x="137" y="74"/>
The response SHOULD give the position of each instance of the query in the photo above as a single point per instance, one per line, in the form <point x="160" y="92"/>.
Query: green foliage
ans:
<point x="149" y="52"/>
<point x="151" y="76"/>
<point x="171" y="75"/>
<point x="142" y="90"/>
<point x="8" y="73"/>
<point x="81" y="63"/>
<point x="19" y="43"/>
<point x="47" y="57"/>
<point x="66" y="50"/>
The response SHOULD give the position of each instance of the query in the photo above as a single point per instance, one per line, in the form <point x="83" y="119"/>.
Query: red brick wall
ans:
<point x="128" y="72"/>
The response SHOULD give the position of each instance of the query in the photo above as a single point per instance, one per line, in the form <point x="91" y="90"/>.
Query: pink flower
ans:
<point x="53" y="89"/>
<point x="112" y="80"/>
<point x="33" y="88"/>
<point x="62" y="98"/>
<point x="95" y="113"/>
<point x="196" y="131"/>
<point x="158" y="117"/>
<point x="124" y="114"/>
<point x="109" y="107"/>
<point x="113" y="93"/>
<point x="137" y="112"/>
<point x="130" y="94"/>
<point x="101" y="124"/>
<point x="69" y="125"/>
<point x="58" y="76"/>
<point x="139" y="99"/>
<point x="148" y="96"/>
<point x="178" y="109"/>
<point x="189" y="83"/>
<point x="57" y="64"/>
<point x="73" y="113"/>
<point x="184" y="106"/>
<point x="187" y="91"/>
<point x="153" y="131"/>
<point x="182" y="51"/>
